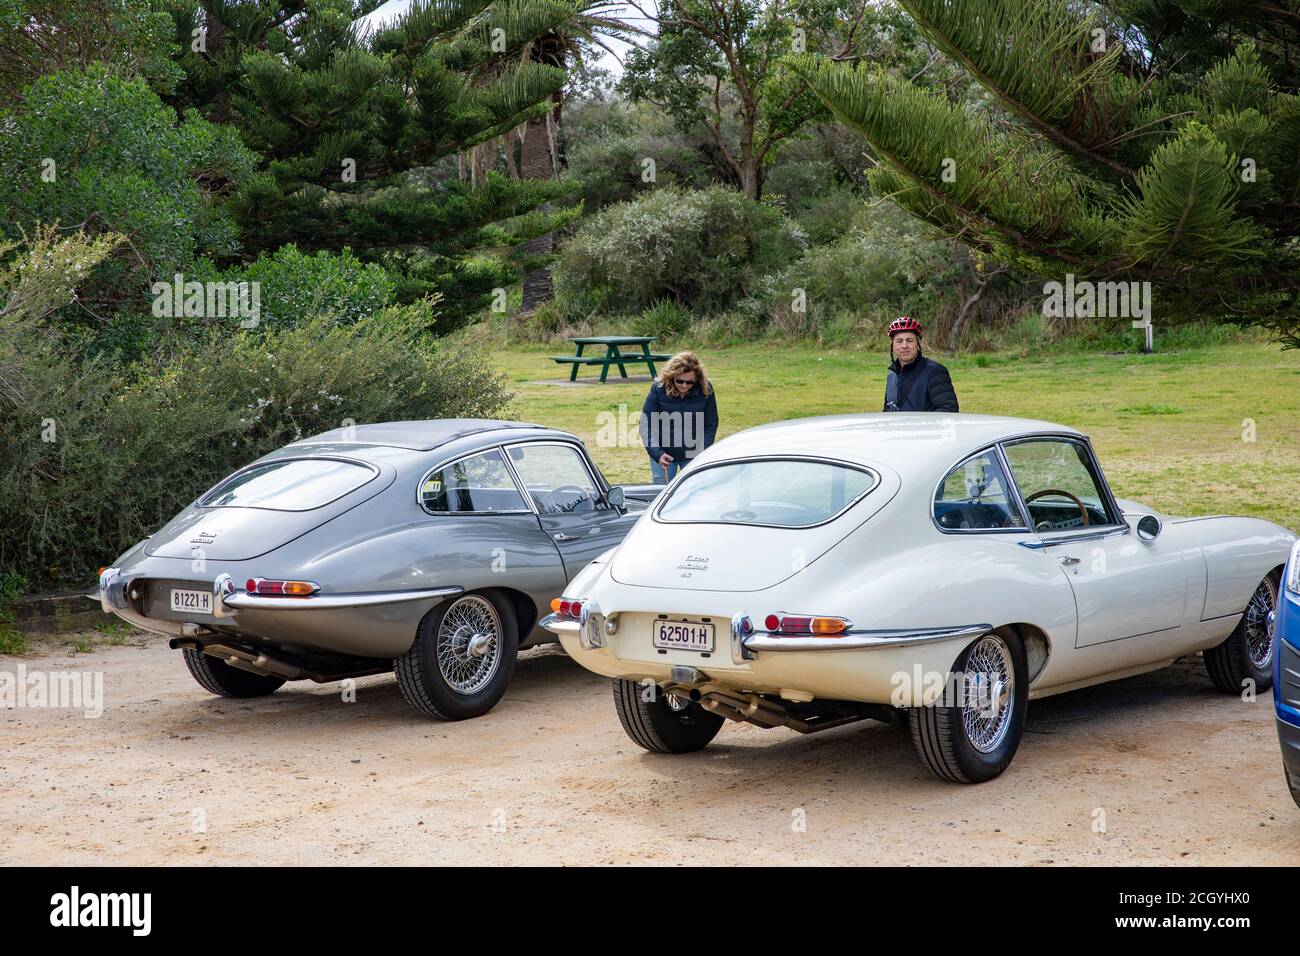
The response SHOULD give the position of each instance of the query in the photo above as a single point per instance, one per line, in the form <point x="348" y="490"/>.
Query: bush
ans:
<point x="122" y="162"/>
<point x="701" y="249"/>
<point x="607" y="142"/>
<point x="12" y="587"/>
<point x="551" y="319"/>
<point x="93" y="459"/>
<point x="855" y="285"/>
<point x="665" y="319"/>
<point x="810" y="193"/>
<point x="296" y="288"/>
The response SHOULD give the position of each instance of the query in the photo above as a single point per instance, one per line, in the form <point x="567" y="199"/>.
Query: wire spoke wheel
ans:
<point x="990" y="689"/>
<point x="1258" y="626"/>
<point x="469" y="644"/>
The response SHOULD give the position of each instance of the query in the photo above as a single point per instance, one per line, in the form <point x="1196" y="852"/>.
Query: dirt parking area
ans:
<point x="1157" y="769"/>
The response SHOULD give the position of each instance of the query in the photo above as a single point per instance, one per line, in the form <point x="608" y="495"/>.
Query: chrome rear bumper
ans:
<point x="862" y="640"/>
<point x="746" y="641"/>
<point x="115" y="597"/>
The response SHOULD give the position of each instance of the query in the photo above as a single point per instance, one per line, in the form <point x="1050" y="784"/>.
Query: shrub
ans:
<point x="702" y="249"/>
<point x="123" y="163"/>
<point x="93" y="459"/>
<point x="573" y="311"/>
<point x="295" y="287"/>
<point x="607" y="142"/>
<point x="882" y="269"/>
<point x="12" y="587"/>
<point x="665" y="319"/>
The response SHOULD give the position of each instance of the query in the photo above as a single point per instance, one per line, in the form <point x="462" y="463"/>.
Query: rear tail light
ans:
<point x="264" y="586"/>
<point x="806" y="625"/>
<point x="566" y="607"/>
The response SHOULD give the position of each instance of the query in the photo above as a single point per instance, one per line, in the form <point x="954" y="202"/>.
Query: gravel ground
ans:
<point x="1157" y="769"/>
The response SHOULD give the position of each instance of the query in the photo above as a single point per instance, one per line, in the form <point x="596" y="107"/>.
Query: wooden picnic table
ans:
<point x="613" y="354"/>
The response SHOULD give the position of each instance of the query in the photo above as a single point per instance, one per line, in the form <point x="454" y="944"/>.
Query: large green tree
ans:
<point x="719" y="66"/>
<point x="354" y="129"/>
<point x="89" y="149"/>
<point x="540" y="153"/>
<point x="1153" y="140"/>
<point x="37" y="37"/>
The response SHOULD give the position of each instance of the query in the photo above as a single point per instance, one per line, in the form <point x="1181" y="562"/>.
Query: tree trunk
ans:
<point x="535" y="162"/>
<point x="751" y="180"/>
<point x="982" y="280"/>
<point x="538" y="159"/>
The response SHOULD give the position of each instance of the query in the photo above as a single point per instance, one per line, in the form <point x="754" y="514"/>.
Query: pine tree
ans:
<point x="540" y="152"/>
<point x="1134" y="140"/>
<point x="356" y="130"/>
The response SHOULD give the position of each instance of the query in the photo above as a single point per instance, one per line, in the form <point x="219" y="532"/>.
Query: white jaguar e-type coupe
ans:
<point x="939" y="569"/>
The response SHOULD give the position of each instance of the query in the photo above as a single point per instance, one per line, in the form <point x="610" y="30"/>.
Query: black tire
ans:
<point x="435" y="692"/>
<point x="1292" y="784"/>
<point x="1241" y="657"/>
<point x="656" y="726"/>
<point x="940" y="735"/>
<point x="217" y="677"/>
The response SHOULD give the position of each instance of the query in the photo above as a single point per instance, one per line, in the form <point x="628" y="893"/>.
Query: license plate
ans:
<point x="682" y="635"/>
<point x="198" y="602"/>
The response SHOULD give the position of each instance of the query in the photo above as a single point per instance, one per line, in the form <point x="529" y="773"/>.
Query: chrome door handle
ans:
<point x="1066" y="559"/>
<point x="561" y="536"/>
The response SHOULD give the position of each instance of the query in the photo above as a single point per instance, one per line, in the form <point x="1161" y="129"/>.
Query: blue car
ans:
<point x="1286" y="672"/>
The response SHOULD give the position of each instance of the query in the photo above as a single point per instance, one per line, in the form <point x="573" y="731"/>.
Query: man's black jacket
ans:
<point x="923" y="386"/>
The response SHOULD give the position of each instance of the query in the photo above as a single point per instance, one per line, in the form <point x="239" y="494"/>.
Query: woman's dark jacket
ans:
<point x="682" y="427"/>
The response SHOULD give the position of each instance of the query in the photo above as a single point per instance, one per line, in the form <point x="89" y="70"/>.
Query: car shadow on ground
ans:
<point x="876" y="751"/>
<point x="545" y="678"/>
<point x="378" y="700"/>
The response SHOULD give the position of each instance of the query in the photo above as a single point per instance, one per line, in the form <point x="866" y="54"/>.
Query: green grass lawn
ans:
<point x="1173" y="430"/>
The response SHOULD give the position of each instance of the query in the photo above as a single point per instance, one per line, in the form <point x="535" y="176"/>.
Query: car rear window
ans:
<point x="298" y="484"/>
<point x="785" y="493"/>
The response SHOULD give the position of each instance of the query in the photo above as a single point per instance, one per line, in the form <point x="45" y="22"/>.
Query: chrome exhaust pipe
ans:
<point x="762" y="712"/>
<point x="265" y="664"/>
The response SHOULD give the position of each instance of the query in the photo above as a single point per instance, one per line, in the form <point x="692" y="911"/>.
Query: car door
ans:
<point x="483" y="530"/>
<point x="1124" y="587"/>
<point x="570" y="500"/>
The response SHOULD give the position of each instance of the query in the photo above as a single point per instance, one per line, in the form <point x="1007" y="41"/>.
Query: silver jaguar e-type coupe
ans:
<point x="427" y="548"/>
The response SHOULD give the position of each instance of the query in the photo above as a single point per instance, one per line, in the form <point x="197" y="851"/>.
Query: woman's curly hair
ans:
<point x="684" y="362"/>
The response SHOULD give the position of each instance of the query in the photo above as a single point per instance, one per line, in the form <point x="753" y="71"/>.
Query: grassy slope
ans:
<point x="1168" y="427"/>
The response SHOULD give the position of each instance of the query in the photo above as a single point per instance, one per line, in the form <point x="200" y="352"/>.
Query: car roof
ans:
<point x="421" y="435"/>
<point x="909" y="442"/>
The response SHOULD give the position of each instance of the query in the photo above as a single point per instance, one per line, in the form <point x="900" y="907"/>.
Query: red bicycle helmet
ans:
<point x="904" y="323"/>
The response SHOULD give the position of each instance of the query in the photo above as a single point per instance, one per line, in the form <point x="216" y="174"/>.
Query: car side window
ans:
<point x="1058" y="484"/>
<point x="974" y="497"/>
<point x="480" y="483"/>
<point x="556" y="478"/>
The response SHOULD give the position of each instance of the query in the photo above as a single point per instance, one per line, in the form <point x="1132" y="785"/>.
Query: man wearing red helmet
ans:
<point x="915" y="383"/>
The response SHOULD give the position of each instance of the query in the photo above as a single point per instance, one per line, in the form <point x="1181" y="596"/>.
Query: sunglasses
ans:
<point x="684" y="381"/>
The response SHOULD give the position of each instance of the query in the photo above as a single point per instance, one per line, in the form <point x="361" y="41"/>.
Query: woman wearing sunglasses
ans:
<point x="679" y="418"/>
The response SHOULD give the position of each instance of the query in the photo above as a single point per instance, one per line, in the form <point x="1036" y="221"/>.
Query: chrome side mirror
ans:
<point x="1149" y="527"/>
<point x="615" y="496"/>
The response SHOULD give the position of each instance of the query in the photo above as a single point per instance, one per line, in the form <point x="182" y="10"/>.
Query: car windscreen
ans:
<point x="785" y="493"/>
<point x="298" y="484"/>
